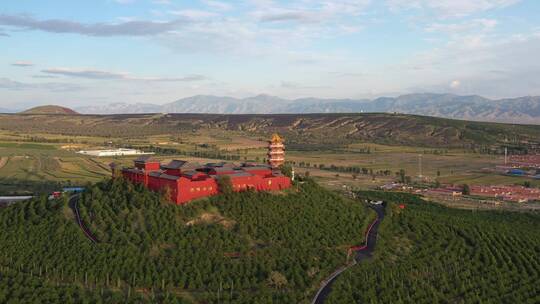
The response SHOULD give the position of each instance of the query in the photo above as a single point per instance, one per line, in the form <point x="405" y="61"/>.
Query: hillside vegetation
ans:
<point x="241" y="248"/>
<point x="57" y="110"/>
<point x="431" y="254"/>
<point x="299" y="129"/>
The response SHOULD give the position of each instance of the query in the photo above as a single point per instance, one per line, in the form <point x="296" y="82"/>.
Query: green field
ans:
<point x="53" y="159"/>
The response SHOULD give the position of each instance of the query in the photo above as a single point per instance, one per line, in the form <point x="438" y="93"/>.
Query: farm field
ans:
<point x="51" y="157"/>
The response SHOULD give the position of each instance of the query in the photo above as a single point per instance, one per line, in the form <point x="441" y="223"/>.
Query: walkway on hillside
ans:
<point x="362" y="253"/>
<point x="74" y="204"/>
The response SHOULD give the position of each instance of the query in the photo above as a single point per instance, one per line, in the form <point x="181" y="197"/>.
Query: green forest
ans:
<point x="235" y="248"/>
<point x="262" y="248"/>
<point x="432" y="254"/>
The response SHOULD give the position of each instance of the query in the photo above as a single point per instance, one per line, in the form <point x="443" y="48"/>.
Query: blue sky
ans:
<point x="78" y="52"/>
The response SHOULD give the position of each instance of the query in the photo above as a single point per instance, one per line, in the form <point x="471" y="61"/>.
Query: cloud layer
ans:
<point x="22" y="64"/>
<point x="297" y="48"/>
<point x="130" y="28"/>
<point x="106" y="75"/>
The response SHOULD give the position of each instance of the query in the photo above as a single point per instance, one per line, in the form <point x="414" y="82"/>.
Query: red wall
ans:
<point x="189" y="190"/>
<point x="151" y="166"/>
<point x="184" y="189"/>
<point x="174" y="172"/>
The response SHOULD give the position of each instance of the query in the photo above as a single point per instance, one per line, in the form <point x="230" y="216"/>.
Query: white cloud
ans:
<point x="308" y="11"/>
<point x="492" y="66"/>
<point x="451" y="8"/>
<point x="23" y="64"/>
<point x="193" y="14"/>
<point x="129" y="28"/>
<point x="218" y="5"/>
<point x="455" y="84"/>
<point x="106" y="75"/>
<point x="124" y="1"/>
<point x="476" y="25"/>
<point x="12" y="85"/>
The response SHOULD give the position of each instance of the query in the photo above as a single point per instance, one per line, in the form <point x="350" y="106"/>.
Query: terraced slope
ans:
<point x="299" y="129"/>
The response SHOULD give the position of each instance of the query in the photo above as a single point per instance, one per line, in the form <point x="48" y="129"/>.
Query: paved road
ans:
<point x="74" y="204"/>
<point x="362" y="253"/>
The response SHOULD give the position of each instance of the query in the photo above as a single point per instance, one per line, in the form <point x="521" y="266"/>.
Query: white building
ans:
<point x="113" y="152"/>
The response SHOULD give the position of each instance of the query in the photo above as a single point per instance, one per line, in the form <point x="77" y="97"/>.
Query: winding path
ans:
<point x="74" y="203"/>
<point x="362" y="252"/>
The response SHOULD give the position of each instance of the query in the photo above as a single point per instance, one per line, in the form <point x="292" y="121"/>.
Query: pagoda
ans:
<point x="276" y="152"/>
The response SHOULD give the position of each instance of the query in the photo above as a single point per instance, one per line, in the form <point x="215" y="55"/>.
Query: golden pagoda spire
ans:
<point x="276" y="153"/>
<point x="276" y="139"/>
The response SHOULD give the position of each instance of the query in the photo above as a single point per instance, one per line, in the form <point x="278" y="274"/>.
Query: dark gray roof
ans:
<point x="171" y="177"/>
<point x="277" y="173"/>
<point x="192" y="173"/>
<point x="175" y="164"/>
<point x="215" y="165"/>
<point x="132" y="170"/>
<point x="249" y="165"/>
<point x="255" y="168"/>
<point x="221" y="165"/>
<point x="155" y="173"/>
<point x="240" y="174"/>
<point x="223" y="169"/>
<point x="145" y="159"/>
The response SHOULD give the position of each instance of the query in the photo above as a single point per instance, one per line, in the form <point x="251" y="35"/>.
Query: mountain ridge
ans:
<point x="301" y="130"/>
<point x="471" y="107"/>
<point x="50" y="109"/>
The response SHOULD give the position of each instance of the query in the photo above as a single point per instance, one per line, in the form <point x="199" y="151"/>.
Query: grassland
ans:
<point x="49" y="154"/>
<point x="303" y="130"/>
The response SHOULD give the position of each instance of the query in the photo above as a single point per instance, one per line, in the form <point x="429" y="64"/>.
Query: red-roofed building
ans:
<point x="186" y="182"/>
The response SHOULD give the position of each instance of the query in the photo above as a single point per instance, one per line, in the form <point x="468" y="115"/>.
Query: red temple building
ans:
<point x="276" y="152"/>
<point x="187" y="181"/>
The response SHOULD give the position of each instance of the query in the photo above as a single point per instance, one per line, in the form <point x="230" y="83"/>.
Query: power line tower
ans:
<point x="506" y="151"/>
<point x="420" y="165"/>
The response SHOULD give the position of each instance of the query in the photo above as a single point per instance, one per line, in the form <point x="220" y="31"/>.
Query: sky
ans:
<point x="76" y="53"/>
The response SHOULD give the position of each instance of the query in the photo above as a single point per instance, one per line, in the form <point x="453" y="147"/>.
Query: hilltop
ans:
<point x="261" y="248"/>
<point x="50" y="109"/>
<point x="512" y="110"/>
<point x="254" y="247"/>
<point x="310" y="130"/>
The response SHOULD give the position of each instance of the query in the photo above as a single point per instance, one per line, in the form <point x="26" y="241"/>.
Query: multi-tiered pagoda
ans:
<point x="276" y="152"/>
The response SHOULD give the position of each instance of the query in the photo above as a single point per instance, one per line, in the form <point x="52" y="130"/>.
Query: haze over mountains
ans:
<point x="525" y="110"/>
<point x="514" y="110"/>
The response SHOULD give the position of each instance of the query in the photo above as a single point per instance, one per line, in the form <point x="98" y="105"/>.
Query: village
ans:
<point x="524" y="166"/>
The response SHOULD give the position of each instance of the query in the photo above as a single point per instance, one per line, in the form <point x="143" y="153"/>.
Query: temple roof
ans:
<point x="146" y="159"/>
<point x="276" y="139"/>
<point x="175" y="164"/>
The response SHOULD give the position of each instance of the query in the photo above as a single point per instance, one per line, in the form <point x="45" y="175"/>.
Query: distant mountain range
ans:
<point x="515" y="110"/>
<point x="525" y="110"/>
<point x="4" y="110"/>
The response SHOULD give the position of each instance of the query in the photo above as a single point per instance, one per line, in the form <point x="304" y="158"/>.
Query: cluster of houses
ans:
<point x="525" y="161"/>
<point x="518" y="194"/>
